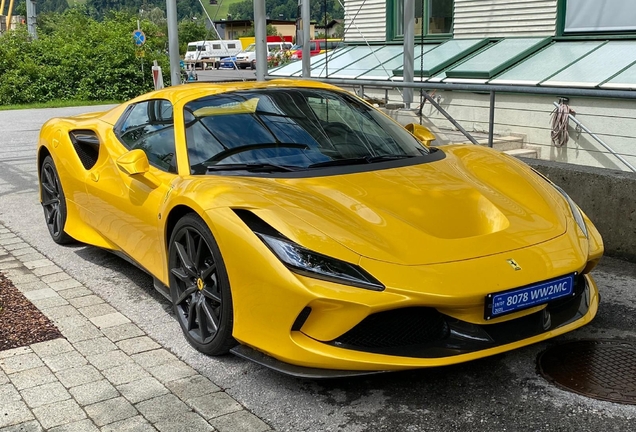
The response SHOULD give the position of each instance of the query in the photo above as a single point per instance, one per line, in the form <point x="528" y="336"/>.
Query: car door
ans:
<point x="125" y="204"/>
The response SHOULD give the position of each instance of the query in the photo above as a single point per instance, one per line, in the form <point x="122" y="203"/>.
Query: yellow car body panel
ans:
<point x="437" y="235"/>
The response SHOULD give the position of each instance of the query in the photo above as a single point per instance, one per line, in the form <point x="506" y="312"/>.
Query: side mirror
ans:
<point x="421" y="133"/>
<point x="133" y="162"/>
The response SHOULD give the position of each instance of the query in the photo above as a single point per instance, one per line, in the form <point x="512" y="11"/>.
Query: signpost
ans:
<point x="139" y="38"/>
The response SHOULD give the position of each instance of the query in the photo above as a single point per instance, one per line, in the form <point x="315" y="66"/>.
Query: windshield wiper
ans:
<point x="359" y="160"/>
<point x="251" y="167"/>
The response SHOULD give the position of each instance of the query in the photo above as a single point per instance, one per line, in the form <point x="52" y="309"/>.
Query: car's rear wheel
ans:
<point x="199" y="287"/>
<point x="53" y="202"/>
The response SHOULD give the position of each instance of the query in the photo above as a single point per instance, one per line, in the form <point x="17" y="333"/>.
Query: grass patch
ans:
<point x="219" y="10"/>
<point x="56" y="104"/>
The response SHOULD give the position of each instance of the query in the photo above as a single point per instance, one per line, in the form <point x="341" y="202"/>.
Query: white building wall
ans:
<point x="509" y="18"/>
<point x="365" y="20"/>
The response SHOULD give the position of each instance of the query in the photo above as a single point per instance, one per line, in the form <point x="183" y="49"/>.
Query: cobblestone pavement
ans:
<point x="106" y="373"/>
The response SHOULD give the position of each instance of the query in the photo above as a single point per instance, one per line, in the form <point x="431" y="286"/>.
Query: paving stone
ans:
<point x="141" y="390"/>
<point x="49" y="302"/>
<point x="214" y="405"/>
<point x="133" y="424"/>
<point x="32" y="377"/>
<point x="30" y="426"/>
<point x="109" y="411"/>
<point x="58" y="312"/>
<point x="12" y="413"/>
<point x="88" y="394"/>
<point x="57" y="277"/>
<point x="23" y="251"/>
<point x="125" y="374"/>
<point x="121" y="332"/>
<point x="243" y="421"/>
<point x="109" y="359"/>
<point x="52" y="347"/>
<point x="20" y="362"/>
<point x="158" y="357"/>
<point x="171" y="371"/>
<point x="95" y="346"/>
<point x="47" y="270"/>
<point x="3" y="378"/>
<point x="63" y="285"/>
<point x="9" y="393"/>
<point x="45" y="394"/>
<point x="72" y="293"/>
<point x="192" y="387"/>
<point x="40" y="294"/>
<point x="37" y="263"/>
<point x="65" y="360"/>
<point x="78" y="376"/>
<point x="33" y="256"/>
<point x="97" y="310"/>
<point x="85" y="301"/>
<point x="77" y="328"/>
<point x="26" y="286"/>
<point x="85" y="425"/>
<point x="162" y="408"/>
<point x="9" y="264"/>
<point x="189" y="421"/>
<point x="15" y="352"/>
<point x="15" y="245"/>
<point x="22" y="277"/>
<point x="137" y="345"/>
<point x="11" y="241"/>
<point x="59" y="413"/>
<point x="110" y="320"/>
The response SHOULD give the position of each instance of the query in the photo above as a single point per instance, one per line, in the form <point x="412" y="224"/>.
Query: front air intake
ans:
<point x="396" y="328"/>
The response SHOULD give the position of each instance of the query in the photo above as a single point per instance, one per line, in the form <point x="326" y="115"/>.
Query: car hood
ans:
<point x="474" y="202"/>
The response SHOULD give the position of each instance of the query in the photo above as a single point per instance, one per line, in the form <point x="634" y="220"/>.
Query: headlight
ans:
<point x="578" y="217"/>
<point x="312" y="264"/>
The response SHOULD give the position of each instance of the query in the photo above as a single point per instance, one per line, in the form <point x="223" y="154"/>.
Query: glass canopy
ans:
<point x="494" y="60"/>
<point x="597" y="67"/>
<point x="546" y="63"/>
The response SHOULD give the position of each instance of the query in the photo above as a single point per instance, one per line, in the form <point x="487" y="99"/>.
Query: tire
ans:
<point x="53" y="202"/>
<point x="200" y="288"/>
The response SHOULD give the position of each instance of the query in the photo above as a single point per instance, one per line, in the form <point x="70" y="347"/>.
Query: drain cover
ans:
<point x="600" y="369"/>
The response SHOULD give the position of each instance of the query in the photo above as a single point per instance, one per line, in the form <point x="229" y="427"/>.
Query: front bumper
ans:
<point x="462" y="341"/>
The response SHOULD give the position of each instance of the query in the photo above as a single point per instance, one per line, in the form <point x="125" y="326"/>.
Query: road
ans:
<point x="494" y="394"/>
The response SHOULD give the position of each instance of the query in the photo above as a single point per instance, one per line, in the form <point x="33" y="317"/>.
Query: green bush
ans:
<point x="79" y="58"/>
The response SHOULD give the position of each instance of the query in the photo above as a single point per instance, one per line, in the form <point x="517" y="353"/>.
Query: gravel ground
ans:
<point x="21" y="323"/>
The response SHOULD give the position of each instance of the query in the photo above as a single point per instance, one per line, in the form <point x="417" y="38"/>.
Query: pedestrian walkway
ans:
<point x="106" y="373"/>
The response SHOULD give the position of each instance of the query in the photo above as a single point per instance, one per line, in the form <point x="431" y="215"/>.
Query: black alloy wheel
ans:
<point x="53" y="202"/>
<point x="200" y="288"/>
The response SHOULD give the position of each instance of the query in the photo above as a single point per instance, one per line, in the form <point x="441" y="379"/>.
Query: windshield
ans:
<point x="297" y="128"/>
<point x="250" y="48"/>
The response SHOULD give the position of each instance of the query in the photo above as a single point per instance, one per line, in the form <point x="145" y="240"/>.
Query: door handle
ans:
<point x="94" y="176"/>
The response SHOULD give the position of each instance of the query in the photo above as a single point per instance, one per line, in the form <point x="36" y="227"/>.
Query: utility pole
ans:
<point x="173" y="42"/>
<point x="260" y="33"/>
<point x="31" y="18"/>
<point x="305" y="12"/>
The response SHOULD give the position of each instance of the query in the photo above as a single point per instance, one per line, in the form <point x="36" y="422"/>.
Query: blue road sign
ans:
<point x="139" y="37"/>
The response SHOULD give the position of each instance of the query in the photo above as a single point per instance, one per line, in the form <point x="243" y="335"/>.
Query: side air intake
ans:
<point x="86" y="144"/>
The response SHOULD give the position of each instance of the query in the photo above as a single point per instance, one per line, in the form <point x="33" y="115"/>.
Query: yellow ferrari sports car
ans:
<point x="295" y="225"/>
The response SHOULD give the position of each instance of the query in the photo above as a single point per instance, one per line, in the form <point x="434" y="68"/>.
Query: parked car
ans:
<point x="294" y="224"/>
<point x="228" y="63"/>
<point x="247" y="58"/>
<point x="317" y="46"/>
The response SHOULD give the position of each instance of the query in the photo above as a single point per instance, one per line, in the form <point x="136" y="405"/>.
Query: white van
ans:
<point x="212" y="50"/>
<point x="247" y="57"/>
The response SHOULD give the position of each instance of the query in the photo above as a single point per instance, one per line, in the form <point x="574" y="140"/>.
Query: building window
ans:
<point x="593" y="16"/>
<point x="438" y="13"/>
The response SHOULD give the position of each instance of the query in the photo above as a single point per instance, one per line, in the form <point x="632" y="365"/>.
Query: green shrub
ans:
<point x="79" y="58"/>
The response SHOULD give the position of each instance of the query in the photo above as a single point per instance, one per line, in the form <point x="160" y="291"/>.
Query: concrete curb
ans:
<point x="607" y="196"/>
<point x="106" y="373"/>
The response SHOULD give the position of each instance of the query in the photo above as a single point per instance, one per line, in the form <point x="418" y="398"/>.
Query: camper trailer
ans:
<point x="211" y="51"/>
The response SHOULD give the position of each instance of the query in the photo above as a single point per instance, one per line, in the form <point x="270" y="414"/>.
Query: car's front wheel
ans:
<point x="53" y="202"/>
<point x="199" y="287"/>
